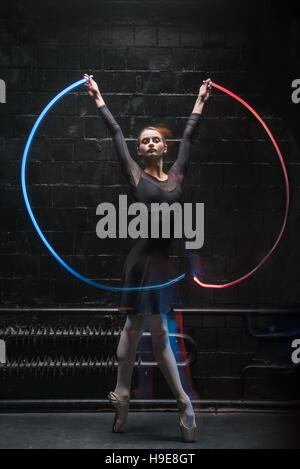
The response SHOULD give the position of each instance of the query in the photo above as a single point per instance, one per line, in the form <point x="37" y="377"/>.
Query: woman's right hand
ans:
<point x="91" y="87"/>
<point x="93" y="91"/>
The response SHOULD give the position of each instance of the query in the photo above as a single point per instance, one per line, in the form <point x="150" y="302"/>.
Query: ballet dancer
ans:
<point x="148" y="261"/>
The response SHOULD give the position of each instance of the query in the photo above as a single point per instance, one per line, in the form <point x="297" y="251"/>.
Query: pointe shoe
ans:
<point x="188" y="433"/>
<point x="122" y="408"/>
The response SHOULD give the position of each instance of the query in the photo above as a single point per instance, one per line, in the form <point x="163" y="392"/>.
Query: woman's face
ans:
<point x="151" y="144"/>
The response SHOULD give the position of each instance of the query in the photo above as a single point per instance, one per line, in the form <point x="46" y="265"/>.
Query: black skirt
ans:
<point x="147" y="264"/>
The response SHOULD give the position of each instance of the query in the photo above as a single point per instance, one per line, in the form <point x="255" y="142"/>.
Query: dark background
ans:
<point x="149" y="58"/>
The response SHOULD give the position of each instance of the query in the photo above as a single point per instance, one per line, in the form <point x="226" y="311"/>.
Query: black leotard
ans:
<point x="148" y="261"/>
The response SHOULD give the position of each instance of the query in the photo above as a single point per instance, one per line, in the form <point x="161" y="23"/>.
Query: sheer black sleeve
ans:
<point x="181" y="164"/>
<point x="131" y="170"/>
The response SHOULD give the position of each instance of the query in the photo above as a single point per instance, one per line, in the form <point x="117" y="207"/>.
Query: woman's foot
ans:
<point x="122" y="408"/>
<point x="187" y="421"/>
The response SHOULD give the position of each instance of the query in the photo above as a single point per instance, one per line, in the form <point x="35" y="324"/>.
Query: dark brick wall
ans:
<point x="149" y="59"/>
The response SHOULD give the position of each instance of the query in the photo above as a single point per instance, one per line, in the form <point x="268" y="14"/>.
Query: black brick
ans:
<point x="62" y="151"/>
<point x="180" y="105"/>
<point x="227" y="296"/>
<point x="64" y="196"/>
<point x="91" y="59"/>
<point x="40" y="151"/>
<point x="57" y="219"/>
<point x="88" y="243"/>
<point x="69" y="57"/>
<point x="50" y="173"/>
<point x="160" y="59"/>
<point x="213" y="321"/>
<point x="39" y="100"/>
<point x="111" y="265"/>
<point x="85" y="242"/>
<point x="137" y="59"/>
<point x="86" y="106"/>
<point x="74" y="127"/>
<point x="28" y="241"/>
<point x="90" y="150"/>
<point x="49" y="267"/>
<point x="4" y="58"/>
<point x="113" y="247"/>
<point x="271" y="387"/>
<point x="53" y="126"/>
<point x="8" y="173"/>
<point x="218" y="388"/>
<point x="49" y="80"/>
<point x="40" y="196"/>
<point x="8" y="242"/>
<point x="229" y="340"/>
<point x="62" y="290"/>
<point x="122" y="35"/>
<point x="18" y="266"/>
<point x="8" y="218"/>
<point x="206" y="339"/>
<point x="156" y="82"/>
<point x="221" y="364"/>
<point x="237" y="38"/>
<point x="124" y="82"/>
<point x="249" y="343"/>
<point x="115" y="102"/>
<point x="145" y="36"/>
<point x="235" y="321"/>
<point x="11" y="149"/>
<point x="133" y="105"/>
<point x="77" y="263"/>
<point x="67" y="107"/>
<point x="89" y="196"/>
<point x="63" y="241"/>
<point x="191" y="37"/>
<point x="95" y="128"/>
<point x="168" y="37"/>
<point x="74" y="173"/>
<point x="100" y="173"/>
<point x="47" y="57"/>
<point x="155" y="105"/>
<point x="25" y="292"/>
<point x="63" y="34"/>
<point x="27" y="30"/>
<point x="18" y="103"/>
<point x="91" y="294"/>
<point x="9" y="127"/>
<point x="17" y="79"/>
<point x="22" y="56"/>
<point x="101" y="37"/>
<point x="114" y="59"/>
<point x="213" y="38"/>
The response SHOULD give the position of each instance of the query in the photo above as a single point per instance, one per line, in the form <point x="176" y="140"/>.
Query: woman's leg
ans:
<point x="165" y="358"/>
<point x="126" y="353"/>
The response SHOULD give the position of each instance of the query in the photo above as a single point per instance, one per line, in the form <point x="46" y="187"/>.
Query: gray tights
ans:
<point x="126" y="355"/>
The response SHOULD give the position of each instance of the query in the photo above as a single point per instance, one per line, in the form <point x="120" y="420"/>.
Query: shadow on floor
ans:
<point x="145" y="430"/>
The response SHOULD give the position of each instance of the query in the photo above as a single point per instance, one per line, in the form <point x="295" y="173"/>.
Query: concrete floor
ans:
<point x="155" y="430"/>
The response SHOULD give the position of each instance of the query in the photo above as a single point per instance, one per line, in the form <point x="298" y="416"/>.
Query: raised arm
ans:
<point x="130" y="168"/>
<point x="181" y="163"/>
